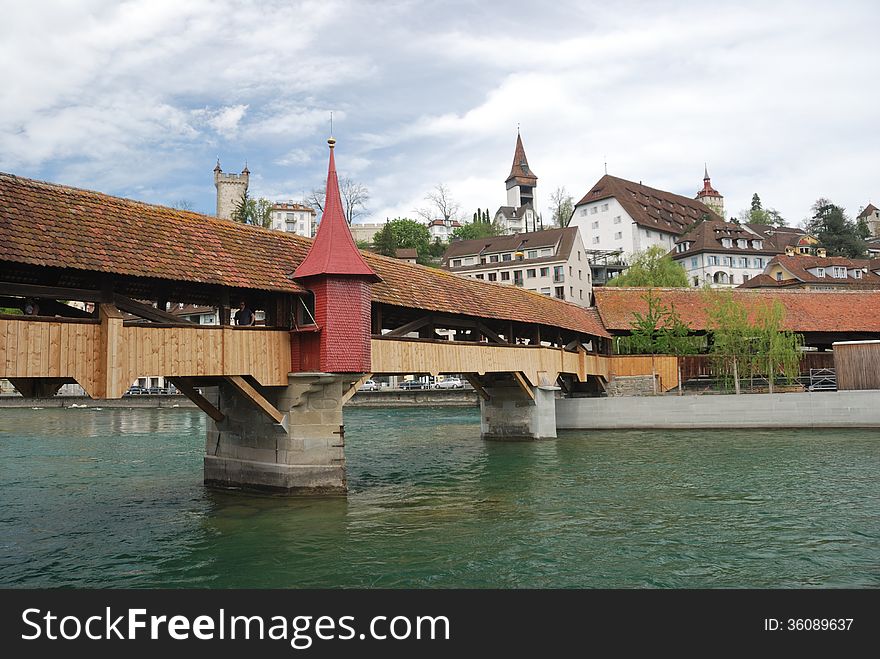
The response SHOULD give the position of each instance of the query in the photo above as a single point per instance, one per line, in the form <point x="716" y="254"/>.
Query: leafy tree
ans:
<point x="743" y="347"/>
<point x="436" y="248"/>
<point x="835" y="230"/>
<point x="257" y="212"/>
<point x="561" y="206"/>
<point x="475" y="230"/>
<point x="652" y="267"/>
<point x="363" y="244"/>
<point x="403" y="233"/>
<point x="757" y="214"/>
<point x="354" y="197"/>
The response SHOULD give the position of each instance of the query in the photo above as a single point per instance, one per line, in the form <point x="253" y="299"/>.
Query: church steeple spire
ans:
<point x="709" y="195"/>
<point x="522" y="181"/>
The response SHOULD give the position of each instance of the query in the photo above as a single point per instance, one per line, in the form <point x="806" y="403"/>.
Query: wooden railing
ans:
<point x="540" y="365"/>
<point x="105" y="356"/>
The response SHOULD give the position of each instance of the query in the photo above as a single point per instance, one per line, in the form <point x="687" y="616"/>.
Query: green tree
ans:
<point x="257" y="212"/>
<point x="475" y="230"/>
<point x="775" y="350"/>
<point x="728" y="321"/>
<point x="757" y="214"/>
<point x="652" y="267"/>
<point x="835" y="230"/>
<point x="403" y="233"/>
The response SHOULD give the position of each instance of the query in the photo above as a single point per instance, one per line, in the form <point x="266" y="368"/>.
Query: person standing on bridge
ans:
<point x="244" y="315"/>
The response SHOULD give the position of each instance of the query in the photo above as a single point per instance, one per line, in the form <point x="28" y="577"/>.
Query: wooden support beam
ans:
<point x="51" y="292"/>
<point x="523" y="383"/>
<point x="145" y="311"/>
<point x="246" y="390"/>
<point x="410" y="327"/>
<point x="110" y="360"/>
<point x="185" y="386"/>
<point x="477" y="385"/>
<point x="489" y="334"/>
<point x="353" y="389"/>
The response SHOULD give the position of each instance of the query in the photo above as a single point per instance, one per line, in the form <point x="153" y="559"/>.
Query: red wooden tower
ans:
<point x="340" y="279"/>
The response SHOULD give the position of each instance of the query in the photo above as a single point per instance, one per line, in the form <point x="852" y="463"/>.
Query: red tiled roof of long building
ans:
<point x="805" y="311"/>
<point x="45" y="224"/>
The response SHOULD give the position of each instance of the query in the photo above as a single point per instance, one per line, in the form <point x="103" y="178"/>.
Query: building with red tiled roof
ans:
<point x="725" y="254"/>
<point x="617" y="214"/>
<point x="551" y="262"/>
<point x="442" y="230"/>
<point x="821" y="316"/>
<point x="817" y="273"/>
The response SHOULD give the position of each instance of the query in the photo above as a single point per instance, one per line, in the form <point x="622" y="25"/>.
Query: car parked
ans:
<point x="413" y="384"/>
<point x="449" y="383"/>
<point x="134" y="391"/>
<point x="369" y="385"/>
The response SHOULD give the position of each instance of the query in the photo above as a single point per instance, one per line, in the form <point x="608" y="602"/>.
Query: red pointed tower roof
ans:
<point x="333" y="252"/>
<point x="708" y="190"/>
<point x="520" y="169"/>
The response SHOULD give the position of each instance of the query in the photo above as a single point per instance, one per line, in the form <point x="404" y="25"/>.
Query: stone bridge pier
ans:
<point x="303" y="454"/>
<point x="512" y="409"/>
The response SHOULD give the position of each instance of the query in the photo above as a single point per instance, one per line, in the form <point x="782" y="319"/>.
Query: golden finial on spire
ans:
<point x="331" y="141"/>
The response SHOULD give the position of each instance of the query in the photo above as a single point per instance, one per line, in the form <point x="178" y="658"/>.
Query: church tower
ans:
<point x="522" y="181"/>
<point x="709" y="195"/>
<point x="230" y="189"/>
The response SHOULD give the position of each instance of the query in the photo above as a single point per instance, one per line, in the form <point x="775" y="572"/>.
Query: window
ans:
<point x="758" y="244"/>
<point x="545" y="272"/>
<point x="493" y="276"/>
<point x="558" y="273"/>
<point x="726" y="242"/>
<point x="530" y="273"/>
<point x="618" y="235"/>
<point x="779" y="276"/>
<point x="580" y="275"/>
<point x="617" y="219"/>
<point x="579" y="255"/>
<point x="595" y="225"/>
<point x="595" y="240"/>
<point x="570" y="271"/>
<point x="759" y="263"/>
<point x="583" y="212"/>
<point x="745" y="278"/>
<point x="547" y="252"/>
<point x="456" y="263"/>
<point x="593" y="210"/>
<point x="604" y="207"/>
<point x="839" y="272"/>
<point x="725" y="260"/>
<point x="743" y="262"/>
<point x="582" y="294"/>
<point x="649" y="233"/>
<point x="742" y="243"/>
<point x="820" y="272"/>
<point x="505" y="276"/>
<point x="507" y="257"/>
<point x="480" y="276"/>
<point x="696" y="281"/>
<point x="560" y="292"/>
<point x="694" y="262"/>
<point x="857" y="274"/>
<point x="517" y="277"/>
<point x="545" y="291"/>
<point x="532" y="254"/>
<point x="711" y="260"/>
<point x="571" y="291"/>
<point x="493" y="258"/>
<point x="289" y="216"/>
<point x="482" y="259"/>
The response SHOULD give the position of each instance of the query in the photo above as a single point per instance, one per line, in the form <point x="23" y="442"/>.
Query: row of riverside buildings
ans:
<point x="617" y="218"/>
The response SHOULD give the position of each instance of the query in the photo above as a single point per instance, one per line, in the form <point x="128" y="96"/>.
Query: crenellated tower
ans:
<point x="230" y="189"/>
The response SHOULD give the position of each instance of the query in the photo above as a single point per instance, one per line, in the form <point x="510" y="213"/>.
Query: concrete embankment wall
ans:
<point x="825" y="409"/>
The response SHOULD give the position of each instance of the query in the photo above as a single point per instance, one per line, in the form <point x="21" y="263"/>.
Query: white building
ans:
<point x="293" y="218"/>
<point x="551" y="262"/>
<point x="442" y="230"/>
<point x="617" y="214"/>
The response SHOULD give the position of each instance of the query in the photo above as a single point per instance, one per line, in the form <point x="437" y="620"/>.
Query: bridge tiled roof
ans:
<point x="45" y="224"/>
<point x="805" y="311"/>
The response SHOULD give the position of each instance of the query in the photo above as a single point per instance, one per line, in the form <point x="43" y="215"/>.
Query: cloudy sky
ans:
<point x="139" y="98"/>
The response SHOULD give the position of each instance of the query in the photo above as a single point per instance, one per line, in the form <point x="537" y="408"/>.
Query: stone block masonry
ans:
<point x="821" y="409"/>
<point x="633" y="385"/>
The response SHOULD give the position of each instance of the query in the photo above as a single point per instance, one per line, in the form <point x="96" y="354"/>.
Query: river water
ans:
<point x="114" y="498"/>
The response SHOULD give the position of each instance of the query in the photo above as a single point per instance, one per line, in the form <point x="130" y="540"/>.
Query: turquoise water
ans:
<point x="114" y="498"/>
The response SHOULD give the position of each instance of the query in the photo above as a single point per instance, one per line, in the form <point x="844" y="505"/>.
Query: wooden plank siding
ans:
<point x="665" y="365"/>
<point x="857" y="365"/>
<point x="539" y="365"/>
<point x="105" y="358"/>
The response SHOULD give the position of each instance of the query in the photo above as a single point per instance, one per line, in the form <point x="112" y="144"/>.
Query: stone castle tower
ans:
<point x="709" y="195"/>
<point x="230" y="188"/>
